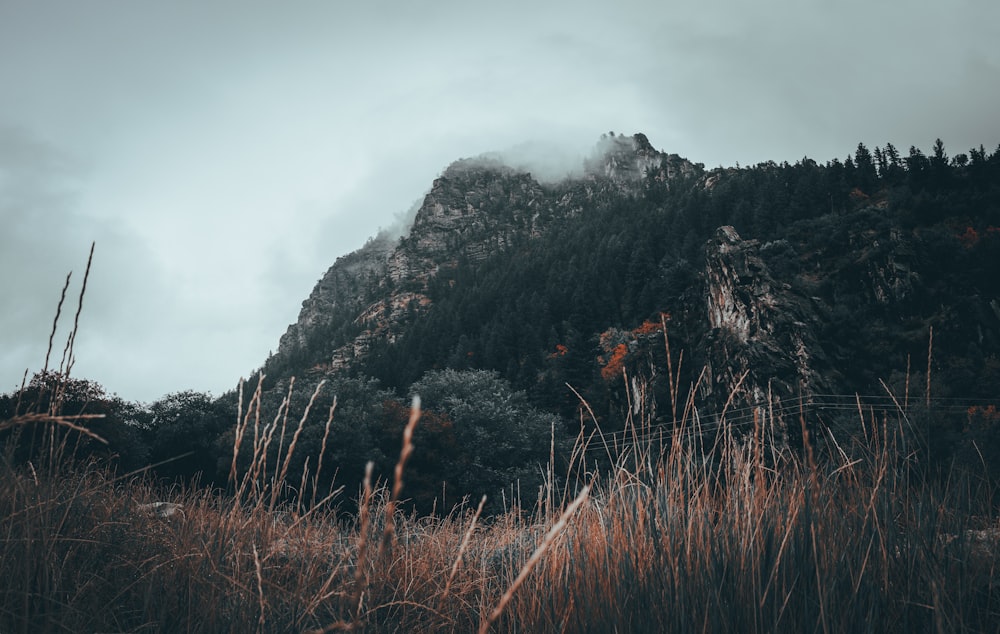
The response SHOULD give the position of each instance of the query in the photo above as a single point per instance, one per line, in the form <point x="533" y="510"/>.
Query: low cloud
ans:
<point x="44" y="238"/>
<point x="547" y="161"/>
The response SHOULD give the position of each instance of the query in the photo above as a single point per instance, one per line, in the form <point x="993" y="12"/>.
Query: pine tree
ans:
<point x="917" y="167"/>
<point x="865" y="176"/>
<point x="880" y="162"/>
<point x="940" y="157"/>
<point x="940" y="171"/>
<point x="978" y="155"/>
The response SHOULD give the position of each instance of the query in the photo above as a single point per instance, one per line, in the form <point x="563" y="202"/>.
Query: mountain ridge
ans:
<point x="780" y="281"/>
<point x="475" y="208"/>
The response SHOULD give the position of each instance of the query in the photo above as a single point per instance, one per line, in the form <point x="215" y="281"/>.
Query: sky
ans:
<point x="223" y="154"/>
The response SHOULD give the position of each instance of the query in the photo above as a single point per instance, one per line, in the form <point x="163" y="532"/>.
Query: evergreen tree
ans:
<point x="865" y="176"/>
<point x="939" y="168"/>
<point x="893" y="163"/>
<point x="917" y="167"/>
<point x="880" y="162"/>
<point x="940" y="158"/>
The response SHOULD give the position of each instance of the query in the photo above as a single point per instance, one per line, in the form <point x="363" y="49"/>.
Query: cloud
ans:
<point x="36" y="192"/>
<point x="44" y="239"/>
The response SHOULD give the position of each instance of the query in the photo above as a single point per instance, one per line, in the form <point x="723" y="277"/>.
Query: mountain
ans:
<point x="800" y="304"/>
<point x="785" y="288"/>
<point x="476" y="209"/>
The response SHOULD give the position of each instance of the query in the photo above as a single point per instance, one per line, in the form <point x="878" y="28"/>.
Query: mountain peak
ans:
<point x="776" y="302"/>
<point x="626" y="159"/>
<point x="484" y="164"/>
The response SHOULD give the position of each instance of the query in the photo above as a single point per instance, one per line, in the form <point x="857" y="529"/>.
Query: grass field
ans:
<point x="851" y="539"/>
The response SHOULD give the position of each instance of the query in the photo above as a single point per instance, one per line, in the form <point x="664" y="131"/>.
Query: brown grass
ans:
<point x="853" y="540"/>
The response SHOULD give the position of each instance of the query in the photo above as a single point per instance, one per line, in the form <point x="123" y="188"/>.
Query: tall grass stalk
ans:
<point x="667" y="538"/>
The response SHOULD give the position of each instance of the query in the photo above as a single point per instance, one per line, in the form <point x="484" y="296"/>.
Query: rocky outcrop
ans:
<point x="475" y="209"/>
<point x="888" y="260"/>
<point x="626" y="160"/>
<point x="578" y="282"/>
<point x="343" y="289"/>
<point x="762" y="352"/>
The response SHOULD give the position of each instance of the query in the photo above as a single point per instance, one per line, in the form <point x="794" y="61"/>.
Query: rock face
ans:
<point x="624" y="160"/>
<point x="343" y="289"/>
<point x="476" y="208"/>
<point x="762" y="351"/>
<point x="473" y="209"/>
<point x="888" y="261"/>
<point x="576" y="282"/>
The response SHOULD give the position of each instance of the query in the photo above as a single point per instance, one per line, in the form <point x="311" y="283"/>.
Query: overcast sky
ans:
<point x="223" y="154"/>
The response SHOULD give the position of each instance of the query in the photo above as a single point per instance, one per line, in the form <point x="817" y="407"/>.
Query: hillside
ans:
<point x="811" y="279"/>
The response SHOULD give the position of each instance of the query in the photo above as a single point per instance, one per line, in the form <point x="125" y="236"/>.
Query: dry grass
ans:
<point x="852" y="541"/>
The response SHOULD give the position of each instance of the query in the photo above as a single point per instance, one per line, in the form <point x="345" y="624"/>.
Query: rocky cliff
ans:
<point x="762" y="350"/>
<point x="781" y="283"/>
<point x="476" y="208"/>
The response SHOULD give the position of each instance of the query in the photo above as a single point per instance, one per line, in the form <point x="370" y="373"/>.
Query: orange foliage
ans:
<point x="561" y="351"/>
<point x="616" y="353"/>
<point x="614" y="366"/>
<point x="970" y="238"/>
<point x="988" y="413"/>
<point x="648" y="328"/>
